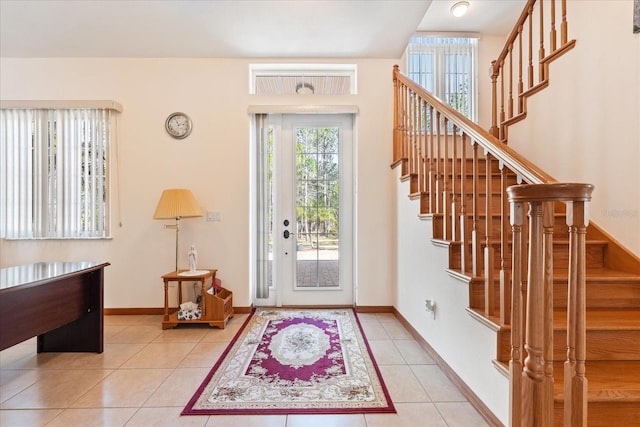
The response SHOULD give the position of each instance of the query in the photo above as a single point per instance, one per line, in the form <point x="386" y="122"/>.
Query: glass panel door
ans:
<point x="313" y="214"/>
<point x="304" y="199"/>
<point x="317" y="207"/>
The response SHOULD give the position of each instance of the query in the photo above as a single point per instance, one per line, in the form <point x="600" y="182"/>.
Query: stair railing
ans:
<point x="445" y="157"/>
<point x="519" y="72"/>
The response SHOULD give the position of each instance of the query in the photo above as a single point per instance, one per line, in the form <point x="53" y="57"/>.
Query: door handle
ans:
<point x="286" y="234"/>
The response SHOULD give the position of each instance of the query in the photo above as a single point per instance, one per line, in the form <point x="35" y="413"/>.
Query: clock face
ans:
<point x="178" y="125"/>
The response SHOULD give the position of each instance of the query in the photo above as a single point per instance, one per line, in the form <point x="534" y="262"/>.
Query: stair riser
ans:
<point x="481" y="167"/>
<point x="602" y="294"/>
<point x="425" y="203"/>
<point x="469" y="165"/>
<point x="601" y="414"/>
<point x="560" y="230"/>
<point x="599" y="294"/>
<point x="601" y="345"/>
<point x="560" y="233"/>
<point x="496" y="178"/>
<point x="594" y="256"/>
<point x="496" y="181"/>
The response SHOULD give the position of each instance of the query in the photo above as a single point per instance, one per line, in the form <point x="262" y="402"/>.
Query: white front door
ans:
<point x="312" y="209"/>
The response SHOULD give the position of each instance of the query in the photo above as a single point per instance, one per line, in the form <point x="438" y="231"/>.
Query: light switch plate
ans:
<point x="213" y="216"/>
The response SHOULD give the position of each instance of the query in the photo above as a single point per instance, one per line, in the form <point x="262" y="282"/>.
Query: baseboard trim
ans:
<point x="475" y="401"/>
<point x="132" y="311"/>
<point x="374" y="309"/>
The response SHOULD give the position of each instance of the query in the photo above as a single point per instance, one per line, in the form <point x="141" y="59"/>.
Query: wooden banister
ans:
<point x="535" y="26"/>
<point x="513" y="160"/>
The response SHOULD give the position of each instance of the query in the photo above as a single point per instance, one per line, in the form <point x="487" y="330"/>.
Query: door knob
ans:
<point x="286" y="234"/>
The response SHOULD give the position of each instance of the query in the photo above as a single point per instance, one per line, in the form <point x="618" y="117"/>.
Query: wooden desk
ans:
<point x="60" y="302"/>
<point x="216" y="308"/>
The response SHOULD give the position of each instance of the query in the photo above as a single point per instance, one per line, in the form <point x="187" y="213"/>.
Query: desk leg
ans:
<point x="84" y="294"/>
<point x="166" y="300"/>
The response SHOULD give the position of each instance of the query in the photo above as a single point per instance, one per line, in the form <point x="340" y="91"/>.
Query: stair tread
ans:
<point x="597" y="319"/>
<point x="556" y="240"/>
<point x="602" y="274"/>
<point x="603" y="319"/>
<point x="607" y="273"/>
<point x="607" y="380"/>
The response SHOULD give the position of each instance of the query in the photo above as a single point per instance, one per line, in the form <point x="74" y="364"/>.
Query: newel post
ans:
<point x="495" y="72"/>
<point x="531" y="390"/>
<point x="397" y="150"/>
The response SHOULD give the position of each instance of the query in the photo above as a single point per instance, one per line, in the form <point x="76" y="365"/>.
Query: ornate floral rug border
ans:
<point x="294" y="361"/>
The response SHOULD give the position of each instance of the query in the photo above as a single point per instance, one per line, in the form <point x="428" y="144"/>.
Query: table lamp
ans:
<point x="175" y="204"/>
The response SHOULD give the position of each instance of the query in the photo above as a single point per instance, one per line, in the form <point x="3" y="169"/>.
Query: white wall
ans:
<point x="585" y="127"/>
<point x="466" y="345"/>
<point x="489" y="47"/>
<point x="213" y="162"/>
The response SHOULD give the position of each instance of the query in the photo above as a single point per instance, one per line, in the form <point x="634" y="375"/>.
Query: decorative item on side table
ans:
<point x="216" y="302"/>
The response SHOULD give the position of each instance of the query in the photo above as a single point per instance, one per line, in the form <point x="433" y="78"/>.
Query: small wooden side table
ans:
<point x="216" y="308"/>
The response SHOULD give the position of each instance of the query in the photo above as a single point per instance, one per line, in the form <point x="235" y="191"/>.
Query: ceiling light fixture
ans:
<point x="459" y="8"/>
<point x="304" y="89"/>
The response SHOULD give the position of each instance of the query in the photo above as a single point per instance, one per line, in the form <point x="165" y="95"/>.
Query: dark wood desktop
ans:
<point x="60" y="302"/>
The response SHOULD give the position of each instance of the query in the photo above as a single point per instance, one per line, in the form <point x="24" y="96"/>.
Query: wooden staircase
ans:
<point x="469" y="209"/>
<point x="612" y="302"/>
<point x="466" y="182"/>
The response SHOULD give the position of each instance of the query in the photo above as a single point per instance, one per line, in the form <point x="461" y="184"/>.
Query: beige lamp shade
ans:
<point x="177" y="203"/>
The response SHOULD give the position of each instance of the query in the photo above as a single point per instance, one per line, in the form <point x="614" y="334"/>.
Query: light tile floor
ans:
<point x="146" y="376"/>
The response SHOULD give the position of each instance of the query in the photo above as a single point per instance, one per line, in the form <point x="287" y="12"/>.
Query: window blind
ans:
<point x="54" y="172"/>
<point x="446" y="67"/>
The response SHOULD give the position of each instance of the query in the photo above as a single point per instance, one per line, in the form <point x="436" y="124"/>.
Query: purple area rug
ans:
<point x="285" y="361"/>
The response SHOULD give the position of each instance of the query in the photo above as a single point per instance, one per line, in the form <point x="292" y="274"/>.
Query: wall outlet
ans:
<point x="430" y="306"/>
<point x="213" y="216"/>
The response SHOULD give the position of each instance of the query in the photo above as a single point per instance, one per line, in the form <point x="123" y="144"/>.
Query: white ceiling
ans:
<point x="495" y="17"/>
<point x="235" y="29"/>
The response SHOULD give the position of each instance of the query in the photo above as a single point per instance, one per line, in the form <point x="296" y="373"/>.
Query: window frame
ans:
<point x="439" y="50"/>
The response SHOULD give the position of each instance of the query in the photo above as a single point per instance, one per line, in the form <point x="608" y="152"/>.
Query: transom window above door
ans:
<point x="303" y="79"/>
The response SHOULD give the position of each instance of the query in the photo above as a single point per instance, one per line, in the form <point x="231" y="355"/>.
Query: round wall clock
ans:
<point x="178" y="125"/>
